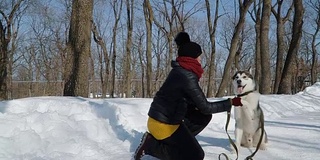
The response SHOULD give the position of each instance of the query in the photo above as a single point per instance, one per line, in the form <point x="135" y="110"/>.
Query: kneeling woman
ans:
<point x="180" y="110"/>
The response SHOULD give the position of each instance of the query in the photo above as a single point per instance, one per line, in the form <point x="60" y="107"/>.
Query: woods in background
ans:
<point x="123" y="48"/>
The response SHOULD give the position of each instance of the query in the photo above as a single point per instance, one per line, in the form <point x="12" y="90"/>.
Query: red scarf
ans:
<point x="190" y="64"/>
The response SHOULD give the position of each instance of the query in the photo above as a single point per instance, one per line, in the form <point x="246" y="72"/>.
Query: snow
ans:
<point x="54" y="128"/>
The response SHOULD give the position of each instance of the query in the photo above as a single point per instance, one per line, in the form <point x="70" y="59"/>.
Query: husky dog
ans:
<point x="248" y="127"/>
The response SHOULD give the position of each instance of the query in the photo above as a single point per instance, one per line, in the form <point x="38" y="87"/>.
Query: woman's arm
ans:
<point x="196" y="95"/>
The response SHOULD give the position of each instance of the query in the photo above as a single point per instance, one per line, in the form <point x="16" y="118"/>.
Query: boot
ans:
<point x="140" y="151"/>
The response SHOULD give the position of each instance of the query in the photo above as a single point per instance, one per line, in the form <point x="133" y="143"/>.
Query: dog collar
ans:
<point x="245" y="93"/>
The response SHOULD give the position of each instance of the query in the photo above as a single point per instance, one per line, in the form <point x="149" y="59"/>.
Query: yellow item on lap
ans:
<point x="160" y="130"/>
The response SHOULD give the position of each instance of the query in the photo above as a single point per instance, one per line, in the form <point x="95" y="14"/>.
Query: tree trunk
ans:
<point x="281" y="47"/>
<point x="280" y="54"/>
<point x="127" y="69"/>
<point x="234" y="46"/>
<point x="5" y="38"/>
<point x="103" y="61"/>
<point x="265" y="81"/>
<point x="285" y="82"/>
<point x="314" y="44"/>
<point x="314" y="57"/>
<point x="148" y="21"/>
<point x="212" y="34"/>
<point x="3" y="62"/>
<point x="159" y="70"/>
<point x="140" y="51"/>
<point x="117" y="9"/>
<point x="10" y="64"/>
<point x="77" y="83"/>
<point x="257" y="73"/>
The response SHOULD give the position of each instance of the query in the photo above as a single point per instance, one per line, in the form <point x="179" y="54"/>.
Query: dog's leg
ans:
<point x="248" y="112"/>
<point x="238" y="137"/>
<point x="237" y="113"/>
<point x="247" y="140"/>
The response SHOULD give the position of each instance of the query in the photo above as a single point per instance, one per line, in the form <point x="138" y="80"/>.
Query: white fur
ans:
<point x="247" y="132"/>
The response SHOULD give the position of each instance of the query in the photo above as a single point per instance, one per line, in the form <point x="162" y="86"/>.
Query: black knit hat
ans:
<point x="190" y="49"/>
<point x="181" y="38"/>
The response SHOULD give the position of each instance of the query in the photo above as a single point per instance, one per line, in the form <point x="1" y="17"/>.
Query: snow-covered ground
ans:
<point x="72" y="128"/>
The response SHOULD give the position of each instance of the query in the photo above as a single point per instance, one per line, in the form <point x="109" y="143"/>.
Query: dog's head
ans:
<point x="243" y="82"/>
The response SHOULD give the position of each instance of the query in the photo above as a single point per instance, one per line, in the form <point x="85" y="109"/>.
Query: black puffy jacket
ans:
<point x="180" y="90"/>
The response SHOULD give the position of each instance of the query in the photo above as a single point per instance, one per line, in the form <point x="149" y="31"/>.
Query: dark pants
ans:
<point x="182" y="144"/>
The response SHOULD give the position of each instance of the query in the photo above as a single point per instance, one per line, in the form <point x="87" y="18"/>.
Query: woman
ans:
<point x="180" y="110"/>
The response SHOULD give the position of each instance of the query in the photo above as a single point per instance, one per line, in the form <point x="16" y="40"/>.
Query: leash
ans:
<point x="231" y="141"/>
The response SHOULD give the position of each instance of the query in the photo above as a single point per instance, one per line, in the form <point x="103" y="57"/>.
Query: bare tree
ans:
<point x="212" y="35"/>
<point x="104" y="61"/>
<point x="79" y="49"/>
<point x="243" y="8"/>
<point x="7" y="33"/>
<point x="265" y="83"/>
<point x="256" y="16"/>
<point x="148" y="15"/>
<point x="48" y="45"/>
<point x="285" y="82"/>
<point x="160" y="52"/>
<point x="281" y="46"/>
<point x="174" y="17"/>
<point x="316" y="7"/>
<point x="117" y="9"/>
<point x="142" y="62"/>
<point x="12" y="54"/>
<point x="239" y="51"/>
<point x="127" y="60"/>
<point x="169" y="17"/>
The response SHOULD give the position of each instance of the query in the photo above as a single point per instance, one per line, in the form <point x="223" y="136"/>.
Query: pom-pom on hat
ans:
<point x="190" y="49"/>
<point x="186" y="47"/>
<point x="181" y="38"/>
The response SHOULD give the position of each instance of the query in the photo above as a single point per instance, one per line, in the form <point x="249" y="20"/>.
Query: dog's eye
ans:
<point x="245" y="77"/>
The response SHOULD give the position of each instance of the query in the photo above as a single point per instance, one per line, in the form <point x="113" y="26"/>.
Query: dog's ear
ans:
<point x="250" y="70"/>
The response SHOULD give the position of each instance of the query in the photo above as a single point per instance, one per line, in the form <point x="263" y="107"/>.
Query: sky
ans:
<point x="76" y="128"/>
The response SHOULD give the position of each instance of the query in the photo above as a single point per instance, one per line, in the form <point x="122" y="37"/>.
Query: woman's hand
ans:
<point x="236" y="101"/>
